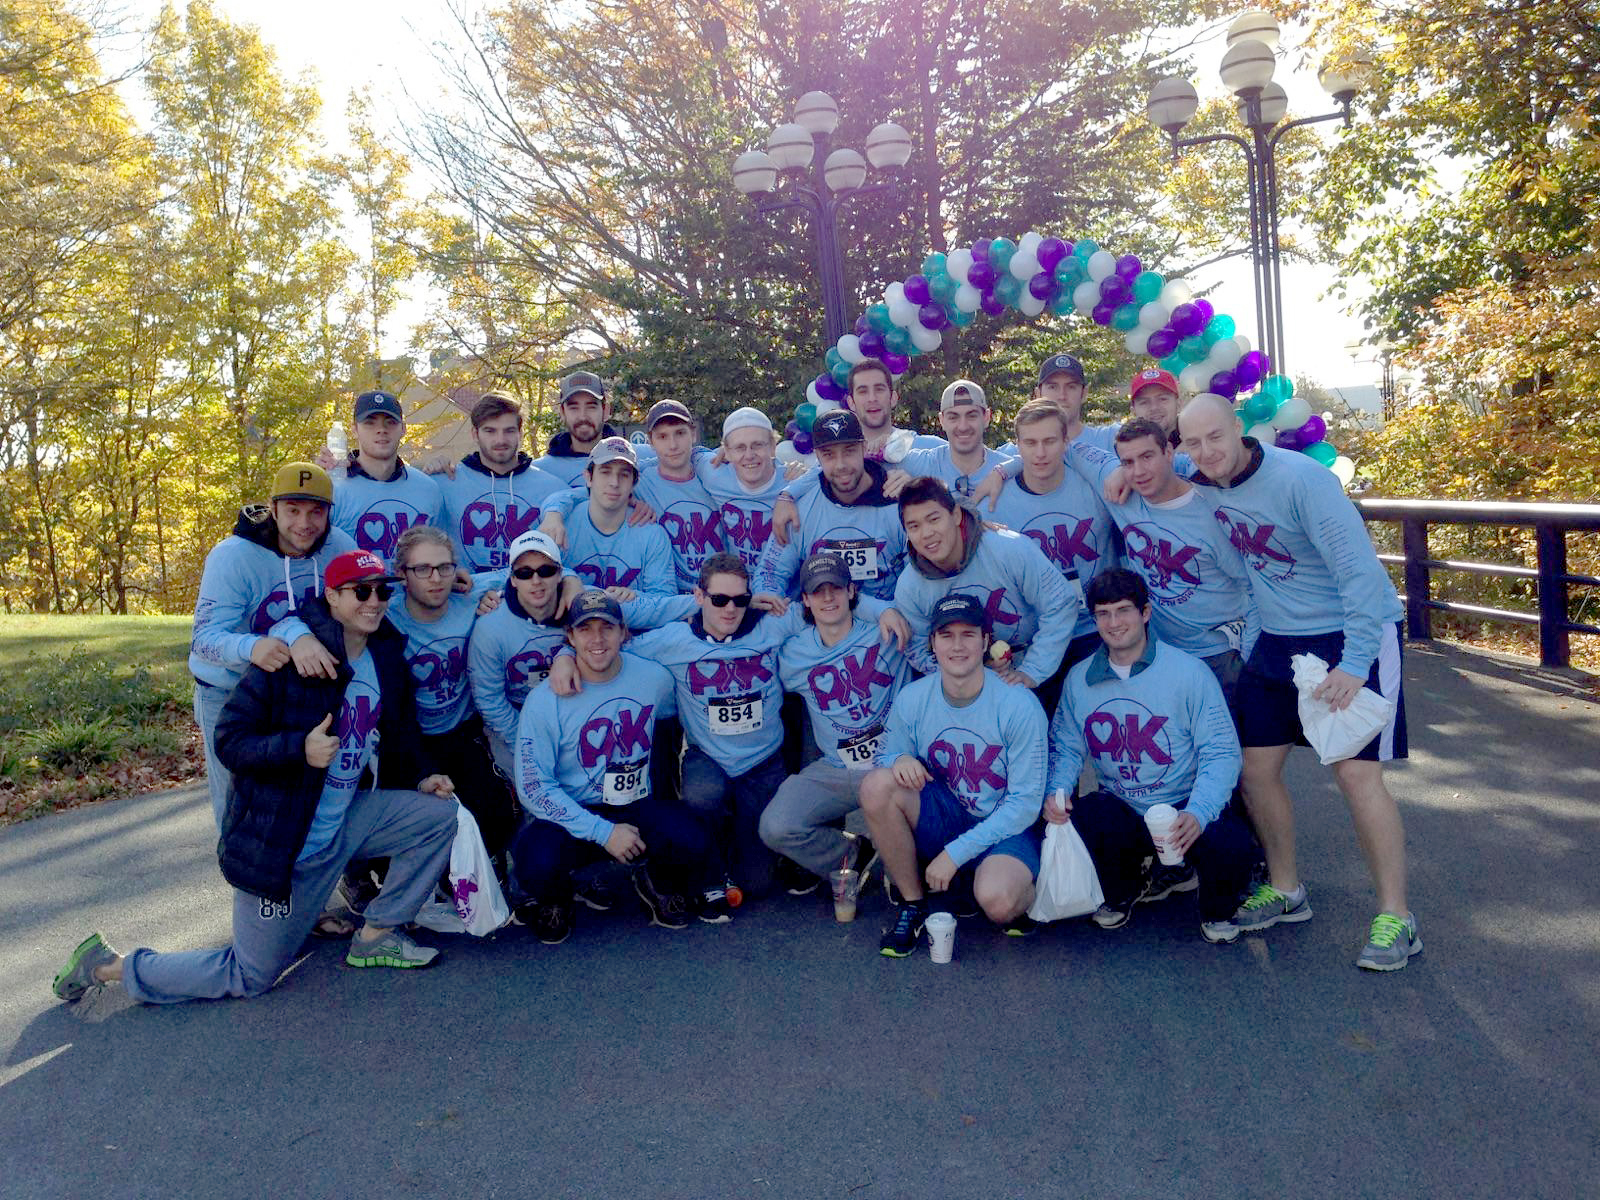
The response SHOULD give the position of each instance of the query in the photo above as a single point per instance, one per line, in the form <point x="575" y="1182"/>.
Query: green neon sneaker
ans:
<point x="1390" y="943"/>
<point x="393" y="949"/>
<point x="77" y="977"/>
<point x="1266" y="906"/>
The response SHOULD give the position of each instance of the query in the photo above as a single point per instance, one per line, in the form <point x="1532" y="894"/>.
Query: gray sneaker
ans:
<point x="1390" y="943"/>
<point x="1267" y="906"/>
<point x="393" y="949"/>
<point x="77" y="977"/>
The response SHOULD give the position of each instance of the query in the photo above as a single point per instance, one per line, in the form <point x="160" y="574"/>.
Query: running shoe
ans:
<point x="1021" y="926"/>
<point x="1390" y="943"/>
<point x="668" y="911"/>
<point x="1164" y="881"/>
<point x="1219" y="932"/>
<point x="901" y="941"/>
<point x="77" y="977"/>
<point x="393" y="949"/>
<point x="714" y="907"/>
<point x="1267" y="906"/>
<point x="1114" y="916"/>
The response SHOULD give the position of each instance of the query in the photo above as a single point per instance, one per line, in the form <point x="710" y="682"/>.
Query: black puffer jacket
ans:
<point x="261" y="738"/>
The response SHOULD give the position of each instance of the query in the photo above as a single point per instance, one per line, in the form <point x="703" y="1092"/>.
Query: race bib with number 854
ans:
<point x="734" y="714"/>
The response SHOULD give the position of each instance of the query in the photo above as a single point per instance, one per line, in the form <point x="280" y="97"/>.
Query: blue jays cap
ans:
<point x="375" y="404"/>
<point x="834" y="427"/>
<point x="592" y="602"/>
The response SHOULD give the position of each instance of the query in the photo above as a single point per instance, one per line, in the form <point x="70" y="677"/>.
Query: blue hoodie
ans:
<point x="990" y="752"/>
<point x="375" y="512"/>
<point x="1071" y="525"/>
<point x="436" y="652"/>
<point x="1312" y="567"/>
<point x="1161" y="736"/>
<point x="848" y="686"/>
<point x="567" y="464"/>
<point x="578" y="756"/>
<point x="486" y="512"/>
<point x="250" y="590"/>
<point x="746" y="514"/>
<point x="508" y="655"/>
<point x="866" y="533"/>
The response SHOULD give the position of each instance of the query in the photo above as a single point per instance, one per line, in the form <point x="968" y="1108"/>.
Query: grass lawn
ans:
<point x="120" y="643"/>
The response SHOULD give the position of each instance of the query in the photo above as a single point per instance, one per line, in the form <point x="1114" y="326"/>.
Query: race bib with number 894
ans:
<point x="626" y="783"/>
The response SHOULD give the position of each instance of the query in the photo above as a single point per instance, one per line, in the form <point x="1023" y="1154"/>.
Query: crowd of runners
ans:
<point x="715" y="679"/>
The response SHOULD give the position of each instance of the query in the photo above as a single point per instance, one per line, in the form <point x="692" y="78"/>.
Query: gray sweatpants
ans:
<point x="800" y="822"/>
<point x="412" y="830"/>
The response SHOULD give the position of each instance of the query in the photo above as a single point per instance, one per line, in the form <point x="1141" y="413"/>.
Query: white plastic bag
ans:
<point x="1336" y="736"/>
<point x="479" y="905"/>
<point x="1068" y="885"/>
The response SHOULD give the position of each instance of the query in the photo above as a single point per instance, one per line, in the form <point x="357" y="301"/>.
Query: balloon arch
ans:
<point x="1156" y="316"/>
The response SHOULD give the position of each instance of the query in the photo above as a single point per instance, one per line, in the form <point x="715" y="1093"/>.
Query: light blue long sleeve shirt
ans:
<point x="747" y="514"/>
<point x="990" y="753"/>
<point x="584" y="756"/>
<point x="848" y="687"/>
<point x="939" y="462"/>
<point x="375" y="512"/>
<point x="485" y="512"/>
<point x="1161" y="736"/>
<point x="436" y="652"/>
<point x="866" y="533"/>
<point x="508" y="655"/>
<point x="1312" y="567"/>
<point x="357" y="731"/>
<point x="1071" y="525"/>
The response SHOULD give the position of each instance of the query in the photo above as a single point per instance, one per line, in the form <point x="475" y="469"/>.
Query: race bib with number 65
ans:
<point x="860" y="556"/>
<point x="734" y="714"/>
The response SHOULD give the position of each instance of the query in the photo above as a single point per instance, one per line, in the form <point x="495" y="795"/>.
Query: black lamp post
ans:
<point x="822" y="183"/>
<point x="1246" y="70"/>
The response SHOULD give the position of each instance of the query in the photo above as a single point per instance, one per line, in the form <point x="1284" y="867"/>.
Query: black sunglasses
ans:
<point x="544" y="572"/>
<point x="742" y="600"/>
<point x="364" y="591"/>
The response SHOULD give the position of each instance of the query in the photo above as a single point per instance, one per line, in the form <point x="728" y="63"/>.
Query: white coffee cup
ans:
<point x="1159" y="819"/>
<point x="941" y="928"/>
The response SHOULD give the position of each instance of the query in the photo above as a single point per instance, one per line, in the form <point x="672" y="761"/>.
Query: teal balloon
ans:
<point x="878" y="317"/>
<point x="1279" y="387"/>
<point x="1009" y="289"/>
<point x="833" y="358"/>
<point x="933" y="265"/>
<point x="1125" y="318"/>
<point x="1147" y="286"/>
<point x="841" y="374"/>
<point x="1193" y="349"/>
<point x="1258" y="408"/>
<point x="1219" y="327"/>
<point x="1085" y="249"/>
<point x="1062" y="305"/>
<point x="958" y="318"/>
<point x="1001" y="252"/>
<point x="942" y="288"/>
<point x="1322" y="452"/>
<point x="1173" y="363"/>
<point x="1070" y="272"/>
<point x="805" y="415"/>
<point x="899" y="341"/>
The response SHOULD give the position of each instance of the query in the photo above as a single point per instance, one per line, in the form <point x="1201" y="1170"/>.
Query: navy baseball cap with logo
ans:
<point x="832" y="428"/>
<point x="667" y="410"/>
<point x="582" y="383"/>
<point x="957" y="608"/>
<point x="823" y="567"/>
<point x="591" y="603"/>
<point x="378" y="404"/>
<point x="1057" y="363"/>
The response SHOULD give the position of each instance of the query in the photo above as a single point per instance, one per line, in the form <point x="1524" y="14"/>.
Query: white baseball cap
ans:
<point x="962" y="391"/>
<point x="746" y="418"/>
<point x="535" y="541"/>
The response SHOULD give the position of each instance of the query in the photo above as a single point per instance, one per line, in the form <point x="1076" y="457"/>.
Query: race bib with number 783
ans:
<point x="858" y="751"/>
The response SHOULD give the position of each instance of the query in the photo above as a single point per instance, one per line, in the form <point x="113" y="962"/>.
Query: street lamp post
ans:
<point x="1246" y="70"/>
<point x="822" y="183"/>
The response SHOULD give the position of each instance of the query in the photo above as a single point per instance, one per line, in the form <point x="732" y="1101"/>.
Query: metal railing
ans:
<point x="1550" y="523"/>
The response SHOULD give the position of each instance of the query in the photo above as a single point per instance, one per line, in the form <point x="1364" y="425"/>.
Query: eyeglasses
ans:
<point x="365" y="591"/>
<point x="423" y="570"/>
<point x="548" y="571"/>
<point x="742" y="600"/>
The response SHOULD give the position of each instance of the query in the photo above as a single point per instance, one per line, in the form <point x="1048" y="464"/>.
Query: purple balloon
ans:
<point x="1162" y="343"/>
<point x="1224" y="383"/>
<point x="898" y="364"/>
<point x="872" y="344"/>
<point x="802" y="442"/>
<point x="1129" y="266"/>
<point x="1288" y="439"/>
<point x="1114" y="289"/>
<point x="1050" y="252"/>
<point x="1206" y="311"/>
<point x="1248" y="370"/>
<point x="1103" y="312"/>
<point x="863" y="327"/>
<point x="1186" y="320"/>
<point x="917" y="289"/>
<point x="933" y="316"/>
<point x="792" y="428"/>
<point x="980" y="254"/>
<point x="980" y="274"/>
<point x="1043" y="286"/>
<point x="829" y="388"/>
<point x="991" y="304"/>
<point x="1314" y="430"/>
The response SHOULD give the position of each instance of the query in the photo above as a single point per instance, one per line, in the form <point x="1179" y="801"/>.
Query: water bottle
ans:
<point x="338" y="444"/>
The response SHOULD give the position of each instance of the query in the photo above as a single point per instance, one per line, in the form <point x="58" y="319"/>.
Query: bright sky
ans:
<point x="385" y="44"/>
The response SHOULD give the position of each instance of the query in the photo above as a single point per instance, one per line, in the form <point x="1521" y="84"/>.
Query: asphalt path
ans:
<point x="781" y="1056"/>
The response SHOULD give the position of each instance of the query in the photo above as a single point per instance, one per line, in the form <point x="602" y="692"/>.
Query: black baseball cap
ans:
<point x="373" y="404"/>
<point x="958" y="608"/>
<point x="832" y="428"/>
<point x="667" y="410"/>
<point x="592" y="602"/>
<point x="1057" y="363"/>
<point x="823" y="567"/>
<point x="582" y="382"/>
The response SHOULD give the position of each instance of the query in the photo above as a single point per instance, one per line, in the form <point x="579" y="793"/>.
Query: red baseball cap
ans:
<point x="1153" y="377"/>
<point x="355" y="566"/>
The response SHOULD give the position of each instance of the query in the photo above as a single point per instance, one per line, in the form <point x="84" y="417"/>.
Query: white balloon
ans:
<point x="896" y="291"/>
<point x="1243" y="342"/>
<point x="1292" y="413"/>
<point x="957" y="263"/>
<point x="850" y="349"/>
<point x="1085" y="296"/>
<point x="1175" y="292"/>
<point x="1024" y="265"/>
<point x="1029" y="242"/>
<point x="1327" y="417"/>
<point x="1194" y="378"/>
<point x="1101" y="263"/>
<point x="904" y="313"/>
<point x="925" y="339"/>
<point x="1137" y="340"/>
<point x="1225" y="355"/>
<point x="786" y="453"/>
<point x="968" y="298"/>
<point x="1263" y="433"/>
<point x="813" y="396"/>
<point x="1344" y="470"/>
<point x="1153" y="316"/>
<point x="1030" y="305"/>
<point x="826" y="406"/>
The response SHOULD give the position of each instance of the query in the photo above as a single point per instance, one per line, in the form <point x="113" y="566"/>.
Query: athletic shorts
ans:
<point x="941" y="820"/>
<point x="1268" y="705"/>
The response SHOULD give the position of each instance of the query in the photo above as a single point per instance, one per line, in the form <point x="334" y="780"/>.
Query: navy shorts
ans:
<point x="1268" y="706"/>
<point x="941" y="820"/>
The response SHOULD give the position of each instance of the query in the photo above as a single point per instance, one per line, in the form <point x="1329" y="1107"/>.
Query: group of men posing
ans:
<point x="592" y="651"/>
